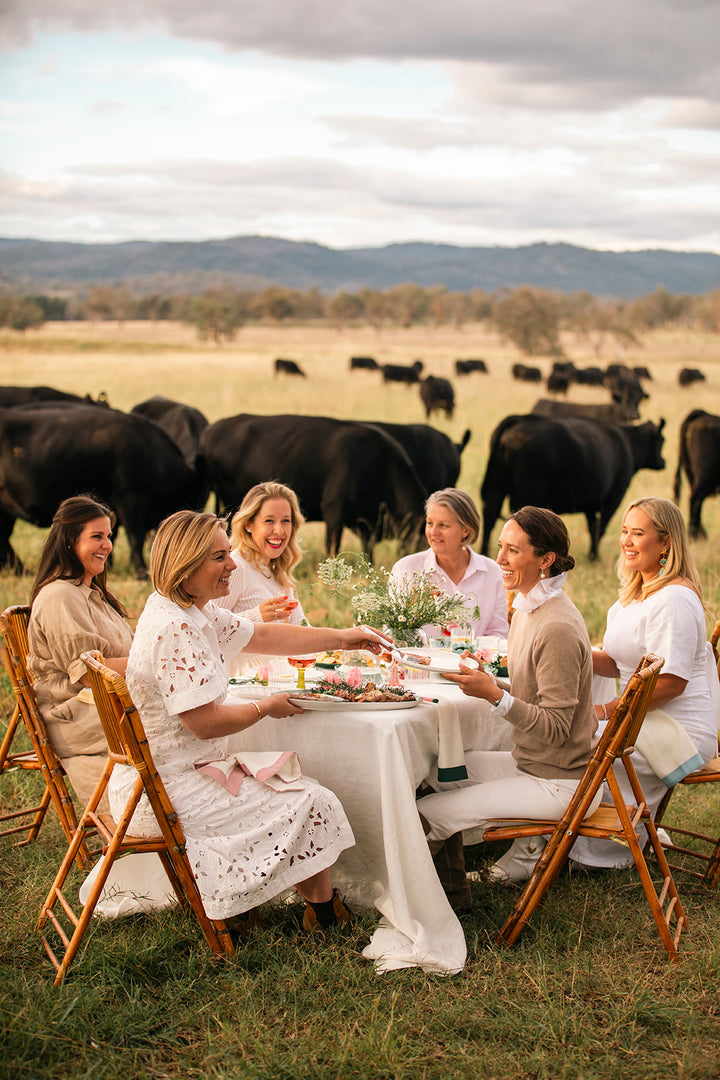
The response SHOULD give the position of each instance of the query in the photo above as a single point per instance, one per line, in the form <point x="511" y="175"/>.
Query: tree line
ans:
<point x="531" y="318"/>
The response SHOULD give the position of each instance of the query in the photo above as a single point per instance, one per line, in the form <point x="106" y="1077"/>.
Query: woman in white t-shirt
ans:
<point x="660" y="610"/>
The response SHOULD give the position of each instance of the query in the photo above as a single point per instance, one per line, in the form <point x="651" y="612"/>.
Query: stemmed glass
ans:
<point x="301" y="662"/>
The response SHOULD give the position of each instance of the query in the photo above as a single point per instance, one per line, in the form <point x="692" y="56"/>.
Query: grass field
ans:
<point x="586" y="995"/>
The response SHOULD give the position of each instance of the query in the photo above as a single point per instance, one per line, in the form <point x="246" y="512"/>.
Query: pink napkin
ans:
<point x="275" y="769"/>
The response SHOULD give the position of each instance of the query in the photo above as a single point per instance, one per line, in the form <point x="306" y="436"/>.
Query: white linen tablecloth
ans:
<point x="373" y="761"/>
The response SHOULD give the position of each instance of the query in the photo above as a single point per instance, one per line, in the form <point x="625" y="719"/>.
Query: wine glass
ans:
<point x="300" y="663"/>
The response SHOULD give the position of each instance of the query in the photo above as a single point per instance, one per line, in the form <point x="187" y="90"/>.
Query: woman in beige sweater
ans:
<point x="550" y="707"/>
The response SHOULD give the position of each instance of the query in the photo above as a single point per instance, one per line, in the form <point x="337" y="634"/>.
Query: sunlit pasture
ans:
<point x="133" y="361"/>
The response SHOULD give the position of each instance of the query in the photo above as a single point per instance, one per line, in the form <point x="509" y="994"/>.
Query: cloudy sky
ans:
<point x="362" y="122"/>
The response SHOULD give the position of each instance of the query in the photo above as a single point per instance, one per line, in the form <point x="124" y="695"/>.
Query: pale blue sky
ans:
<point x="362" y="124"/>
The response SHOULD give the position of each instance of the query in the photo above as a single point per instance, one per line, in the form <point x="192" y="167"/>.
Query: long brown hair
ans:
<point x="242" y="542"/>
<point x="58" y="561"/>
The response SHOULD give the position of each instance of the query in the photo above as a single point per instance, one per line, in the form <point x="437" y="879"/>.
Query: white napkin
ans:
<point x="667" y="747"/>
<point x="279" y="770"/>
<point x="451" y="752"/>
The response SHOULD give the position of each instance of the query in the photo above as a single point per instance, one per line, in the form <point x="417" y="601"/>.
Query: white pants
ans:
<point x="610" y="853"/>
<point x="495" y="789"/>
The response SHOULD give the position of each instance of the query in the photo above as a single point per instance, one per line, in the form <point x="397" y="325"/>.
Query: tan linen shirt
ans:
<point x="66" y="620"/>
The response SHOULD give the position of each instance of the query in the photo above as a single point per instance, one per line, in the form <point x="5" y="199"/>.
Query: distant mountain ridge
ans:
<point x="256" y="261"/>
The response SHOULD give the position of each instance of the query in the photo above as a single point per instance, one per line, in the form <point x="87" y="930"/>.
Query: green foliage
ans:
<point x="402" y="607"/>
<point x="20" y="313"/>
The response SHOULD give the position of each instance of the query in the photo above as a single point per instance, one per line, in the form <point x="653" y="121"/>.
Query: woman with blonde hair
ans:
<point x="264" y="548"/>
<point x="660" y="610"/>
<point x="452" y="525"/>
<point x="246" y="847"/>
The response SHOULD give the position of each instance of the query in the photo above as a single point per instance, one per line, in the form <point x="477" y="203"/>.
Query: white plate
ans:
<point x="440" y="660"/>
<point x="328" y="705"/>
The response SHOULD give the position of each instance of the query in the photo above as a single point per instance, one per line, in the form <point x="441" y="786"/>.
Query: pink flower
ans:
<point x="354" y="677"/>
<point x="485" y="655"/>
<point x="332" y="677"/>
<point x="262" y="674"/>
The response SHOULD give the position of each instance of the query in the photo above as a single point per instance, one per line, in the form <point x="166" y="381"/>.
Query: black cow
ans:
<point x="11" y="396"/>
<point x="699" y="456"/>
<point x="435" y="457"/>
<point x="47" y="455"/>
<point x="626" y="390"/>
<point x="364" y="363"/>
<point x="690" y="375"/>
<point x="402" y="373"/>
<point x="347" y="474"/>
<point x="437" y="395"/>
<point x="558" y="382"/>
<point x="589" y="376"/>
<point x="569" y="466"/>
<point x="523" y="373"/>
<point x="610" y="413"/>
<point x="288" y="367"/>
<point x="642" y="372"/>
<point x="467" y="367"/>
<point x="183" y="423"/>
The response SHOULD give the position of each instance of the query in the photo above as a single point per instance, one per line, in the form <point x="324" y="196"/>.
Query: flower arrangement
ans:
<point x="493" y="662"/>
<point x="403" y="608"/>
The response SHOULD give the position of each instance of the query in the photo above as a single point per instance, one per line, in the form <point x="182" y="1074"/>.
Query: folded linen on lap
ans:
<point x="276" y="769"/>
<point x="667" y="747"/>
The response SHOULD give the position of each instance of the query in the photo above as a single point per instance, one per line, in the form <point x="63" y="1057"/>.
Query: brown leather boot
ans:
<point x="342" y="915"/>
<point x="450" y="865"/>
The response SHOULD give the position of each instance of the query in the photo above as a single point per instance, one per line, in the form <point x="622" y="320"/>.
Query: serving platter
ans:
<point x="329" y="704"/>
<point x="441" y="661"/>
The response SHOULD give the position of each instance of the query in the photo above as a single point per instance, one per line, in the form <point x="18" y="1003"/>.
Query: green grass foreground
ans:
<point x="587" y="993"/>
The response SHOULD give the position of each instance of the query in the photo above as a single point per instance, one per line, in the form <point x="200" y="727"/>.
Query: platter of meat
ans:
<point x="328" y="697"/>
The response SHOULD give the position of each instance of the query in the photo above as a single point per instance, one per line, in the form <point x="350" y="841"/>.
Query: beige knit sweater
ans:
<point x="550" y="669"/>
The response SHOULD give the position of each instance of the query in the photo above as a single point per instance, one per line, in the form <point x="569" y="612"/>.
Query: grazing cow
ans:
<point x="523" y="373"/>
<point x="626" y="390"/>
<point x="11" y="396"/>
<point x="47" y="455"/>
<point x="437" y="395"/>
<point x="690" y="375"/>
<point x="590" y="376"/>
<point x="558" y="382"/>
<point x="347" y="474"/>
<point x="435" y="457"/>
<point x="610" y="413"/>
<point x="183" y="423"/>
<point x="569" y="466"/>
<point x="467" y="367"/>
<point x="288" y="367"/>
<point x="402" y="373"/>
<point x="699" y="456"/>
<point x="363" y="363"/>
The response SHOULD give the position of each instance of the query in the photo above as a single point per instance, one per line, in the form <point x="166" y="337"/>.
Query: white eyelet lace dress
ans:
<point x="243" y="849"/>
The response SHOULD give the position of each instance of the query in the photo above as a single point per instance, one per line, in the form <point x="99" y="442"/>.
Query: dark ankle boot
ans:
<point x="450" y="866"/>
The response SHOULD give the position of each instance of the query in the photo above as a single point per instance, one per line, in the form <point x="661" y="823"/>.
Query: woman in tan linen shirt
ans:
<point x="72" y="610"/>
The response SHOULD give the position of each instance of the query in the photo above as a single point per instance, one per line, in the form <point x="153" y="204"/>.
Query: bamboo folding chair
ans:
<point x="42" y="757"/>
<point x="128" y="745"/>
<point x="707" y="850"/>
<point x="614" y="820"/>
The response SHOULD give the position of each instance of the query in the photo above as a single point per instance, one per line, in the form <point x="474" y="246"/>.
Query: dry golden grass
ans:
<point x="133" y="361"/>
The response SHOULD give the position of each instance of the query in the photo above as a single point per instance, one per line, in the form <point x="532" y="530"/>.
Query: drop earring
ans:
<point x="542" y="574"/>
<point x="663" y="560"/>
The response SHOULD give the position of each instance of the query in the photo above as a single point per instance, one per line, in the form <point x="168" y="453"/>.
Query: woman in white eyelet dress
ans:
<point x="247" y="848"/>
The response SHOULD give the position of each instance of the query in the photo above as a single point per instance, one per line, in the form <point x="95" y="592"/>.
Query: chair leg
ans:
<point x="656" y="901"/>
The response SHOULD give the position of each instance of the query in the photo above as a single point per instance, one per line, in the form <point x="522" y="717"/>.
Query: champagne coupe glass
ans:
<point x="300" y="663"/>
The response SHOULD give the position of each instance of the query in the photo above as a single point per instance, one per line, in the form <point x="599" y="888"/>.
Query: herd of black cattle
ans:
<point x="438" y="394"/>
<point x="366" y="476"/>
